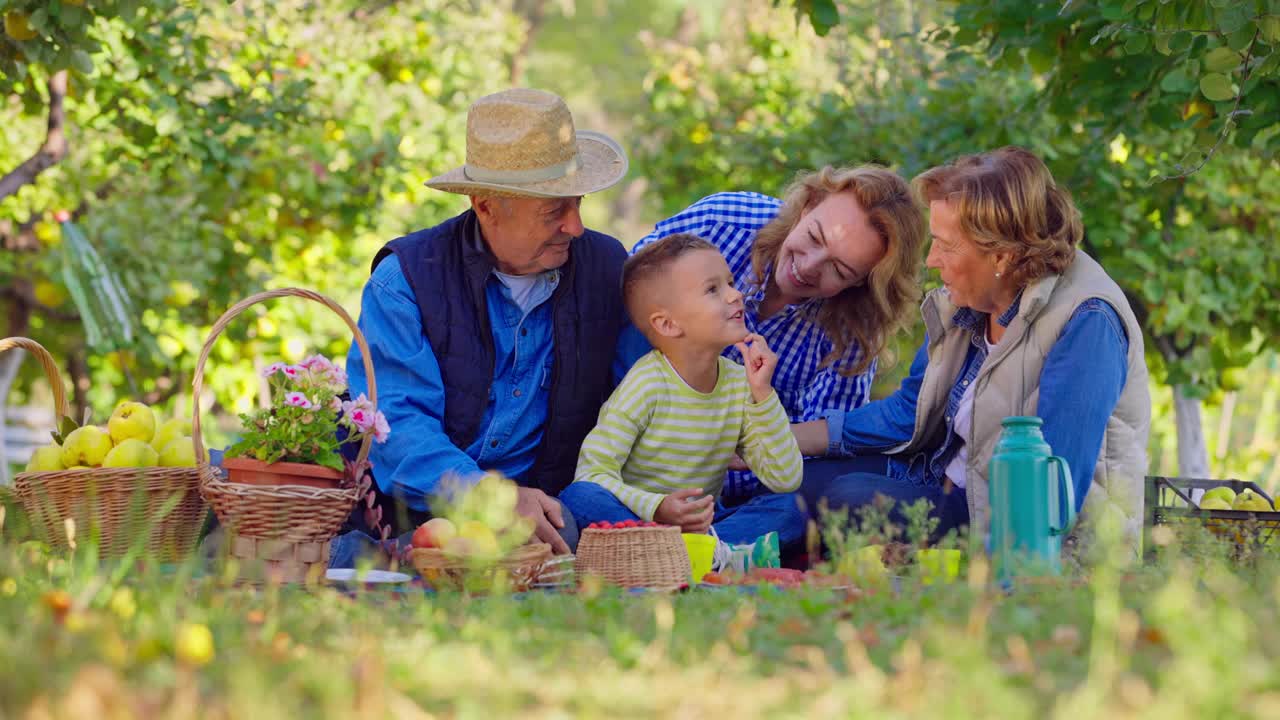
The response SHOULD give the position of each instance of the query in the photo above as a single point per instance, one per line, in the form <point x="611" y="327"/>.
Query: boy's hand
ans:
<point x="680" y="508"/>
<point x="759" y="361"/>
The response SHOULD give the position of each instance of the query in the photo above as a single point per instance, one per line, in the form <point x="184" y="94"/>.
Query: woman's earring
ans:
<point x="997" y="273"/>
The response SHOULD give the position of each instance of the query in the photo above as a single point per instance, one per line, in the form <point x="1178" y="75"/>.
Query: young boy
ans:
<point x="668" y="432"/>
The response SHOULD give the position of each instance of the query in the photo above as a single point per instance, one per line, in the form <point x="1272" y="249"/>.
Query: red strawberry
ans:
<point x="606" y="525"/>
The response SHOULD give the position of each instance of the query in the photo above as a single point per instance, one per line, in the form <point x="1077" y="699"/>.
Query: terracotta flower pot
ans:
<point x="255" y="472"/>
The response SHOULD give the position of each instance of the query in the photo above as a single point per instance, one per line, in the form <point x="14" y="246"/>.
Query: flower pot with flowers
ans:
<point x="297" y="439"/>
<point x="284" y="489"/>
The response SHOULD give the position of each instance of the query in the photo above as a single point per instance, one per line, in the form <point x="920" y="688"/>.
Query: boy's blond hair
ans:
<point x="649" y="264"/>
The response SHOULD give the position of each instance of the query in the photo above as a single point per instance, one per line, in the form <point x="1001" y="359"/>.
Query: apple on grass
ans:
<point x="434" y="533"/>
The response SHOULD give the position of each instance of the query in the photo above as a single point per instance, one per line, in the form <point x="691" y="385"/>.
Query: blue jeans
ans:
<point x="852" y="483"/>
<point x="778" y="512"/>
<point x="349" y="548"/>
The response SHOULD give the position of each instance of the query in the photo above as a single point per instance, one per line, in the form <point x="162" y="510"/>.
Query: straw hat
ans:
<point x="522" y="143"/>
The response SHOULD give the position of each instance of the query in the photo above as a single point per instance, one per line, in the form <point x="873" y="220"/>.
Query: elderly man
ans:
<point x="493" y="334"/>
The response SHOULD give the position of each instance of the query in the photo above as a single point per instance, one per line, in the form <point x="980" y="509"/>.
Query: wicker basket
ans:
<point x="652" y="557"/>
<point x="118" y="506"/>
<point x="279" y="533"/>
<point x="520" y="568"/>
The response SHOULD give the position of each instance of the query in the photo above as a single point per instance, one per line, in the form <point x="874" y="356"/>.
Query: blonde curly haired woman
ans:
<point x="829" y="272"/>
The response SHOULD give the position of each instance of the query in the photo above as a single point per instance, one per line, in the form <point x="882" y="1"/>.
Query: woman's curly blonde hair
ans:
<point x="862" y="317"/>
<point x="1007" y="202"/>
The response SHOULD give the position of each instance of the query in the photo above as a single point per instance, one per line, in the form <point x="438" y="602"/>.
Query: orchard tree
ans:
<point x="1173" y="111"/>
<point x="205" y="151"/>
<point x="1175" y="185"/>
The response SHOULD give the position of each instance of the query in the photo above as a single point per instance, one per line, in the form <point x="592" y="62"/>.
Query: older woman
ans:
<point x="829" y="272"/>
<point x="1025" y="324"/>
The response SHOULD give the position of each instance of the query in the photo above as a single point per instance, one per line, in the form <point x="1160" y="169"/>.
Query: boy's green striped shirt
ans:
<point x="657" y="435"/>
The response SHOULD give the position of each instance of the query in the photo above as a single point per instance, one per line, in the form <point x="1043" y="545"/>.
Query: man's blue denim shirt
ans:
<point x="411" y="389"/>
<point x="1080" y="384"/>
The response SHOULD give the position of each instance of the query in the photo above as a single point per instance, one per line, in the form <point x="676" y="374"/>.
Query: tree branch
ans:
<point x="1227" y="125"/>
<point x="534" y="14"/>
<point x="55" y="141"/>
<point x="23" y="293"/>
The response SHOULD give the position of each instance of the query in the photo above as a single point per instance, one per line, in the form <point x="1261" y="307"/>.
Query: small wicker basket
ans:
<point x="116" y="505"/>
<point x="641" y="557"/>
<point x="279" y="533"/>
<point x="520" y="569"/>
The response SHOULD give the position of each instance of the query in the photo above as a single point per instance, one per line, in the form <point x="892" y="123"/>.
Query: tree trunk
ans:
<point x="535" y="13"/>
<point x="1193" y="458"/>
<point x="79" y="372"/>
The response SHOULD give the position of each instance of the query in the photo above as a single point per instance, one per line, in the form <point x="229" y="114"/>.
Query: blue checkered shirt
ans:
<point x="730" y="221"/>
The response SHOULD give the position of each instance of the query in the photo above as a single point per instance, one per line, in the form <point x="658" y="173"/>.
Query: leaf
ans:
<point x="81" y="61"/>
<point x="1221" y="59"/>
<point x="1176" y="81"/>
<point x="1217" y="87"/>
<point x="1270" y="28"/>
<point x="167" y="123"/>
<point x="1180" y="41"/>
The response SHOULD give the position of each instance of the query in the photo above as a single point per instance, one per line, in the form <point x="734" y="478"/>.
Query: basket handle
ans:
<point x="50" y="371"/>
<point x="231" y="313"/>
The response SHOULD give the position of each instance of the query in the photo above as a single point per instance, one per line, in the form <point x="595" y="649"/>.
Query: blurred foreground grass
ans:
<point x="1190" y="635"/>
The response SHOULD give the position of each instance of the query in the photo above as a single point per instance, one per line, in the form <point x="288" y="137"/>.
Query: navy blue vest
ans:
<point x="447" y="273"/>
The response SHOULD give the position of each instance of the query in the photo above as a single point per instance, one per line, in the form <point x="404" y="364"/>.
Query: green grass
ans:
<point x="1190" y="635"/>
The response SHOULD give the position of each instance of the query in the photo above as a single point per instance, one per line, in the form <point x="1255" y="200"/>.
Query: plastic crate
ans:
<point x="1169" y="502"/>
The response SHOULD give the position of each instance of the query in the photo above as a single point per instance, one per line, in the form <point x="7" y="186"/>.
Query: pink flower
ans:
<point x="291" y="371"/>
<point x="338" y="376"/>
<point x="336" y="404"/>
<point x="272" y="369"/>
<point x="297" y="399"/>
<point x="360" y="412"/>
<point x="317" y="363"/>
<point x="380" y="427"/>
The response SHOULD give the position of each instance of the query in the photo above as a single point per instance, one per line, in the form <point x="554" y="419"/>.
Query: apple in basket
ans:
<point x="434" y="533"/>
<point x="474" y="540"/>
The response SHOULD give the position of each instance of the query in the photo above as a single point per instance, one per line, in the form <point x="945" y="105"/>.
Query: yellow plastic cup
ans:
<point x="864" y="566"/>
<point x="938" y="565"/>
<point x="701" y="549"/>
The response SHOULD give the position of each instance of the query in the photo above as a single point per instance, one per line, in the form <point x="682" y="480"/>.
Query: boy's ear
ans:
<point x="664" y="325"/>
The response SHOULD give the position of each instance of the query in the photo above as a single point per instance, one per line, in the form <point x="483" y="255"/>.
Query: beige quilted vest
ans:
<point x="1009" y="384"/>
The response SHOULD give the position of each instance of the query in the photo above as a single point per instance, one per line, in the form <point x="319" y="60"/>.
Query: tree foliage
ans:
<point x="217" y="149"/>
<point x="1124" y="100"/>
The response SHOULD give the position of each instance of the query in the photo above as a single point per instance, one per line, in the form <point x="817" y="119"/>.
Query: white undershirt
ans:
<point x="523" y="287"/>
<point x="963" y="425"/>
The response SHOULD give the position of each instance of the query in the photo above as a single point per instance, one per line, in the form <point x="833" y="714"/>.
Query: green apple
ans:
<point x="46" y="459"/>
<point x="169" y="431"/>
<point x="131" y="453"/>
<point x="132" y="421"/>
<point x="1214" y="503"/>
<point x="180" y="453"/>
<point x="1224" y="492"/>
<point x="1252" y="501"/>
<point x="86" y="446"/>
